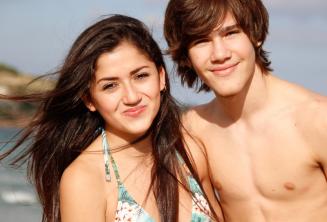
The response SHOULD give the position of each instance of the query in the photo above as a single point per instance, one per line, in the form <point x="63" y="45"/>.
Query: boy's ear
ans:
<point x="88" y="103"/>
<point x="162" y="78"/>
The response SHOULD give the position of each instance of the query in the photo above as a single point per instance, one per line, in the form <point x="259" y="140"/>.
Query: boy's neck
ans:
<point x="252" y="99"/>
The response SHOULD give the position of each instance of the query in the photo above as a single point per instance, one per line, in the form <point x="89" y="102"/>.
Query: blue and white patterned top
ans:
<point x="129" y="210"/>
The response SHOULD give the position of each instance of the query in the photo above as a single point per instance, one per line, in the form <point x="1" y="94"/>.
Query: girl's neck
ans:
<point x="133" y="144"/>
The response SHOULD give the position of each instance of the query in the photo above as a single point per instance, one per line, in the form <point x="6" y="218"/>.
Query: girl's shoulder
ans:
<point x="85" y="174"/>
<point x="82" y="189"/>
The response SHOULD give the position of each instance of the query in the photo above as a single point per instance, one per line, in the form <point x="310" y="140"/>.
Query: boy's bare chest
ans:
<point x="271" y="163"/>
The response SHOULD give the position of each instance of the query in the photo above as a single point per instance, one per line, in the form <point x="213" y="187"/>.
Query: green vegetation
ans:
<point x="8" y="68"/>
<point x="13" y="82"/>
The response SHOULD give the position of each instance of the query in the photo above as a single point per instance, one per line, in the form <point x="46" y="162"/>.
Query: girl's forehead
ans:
<point x="122" y="61"/>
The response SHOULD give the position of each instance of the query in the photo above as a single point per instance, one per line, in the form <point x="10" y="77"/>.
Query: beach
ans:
<point x="18" y="201"/>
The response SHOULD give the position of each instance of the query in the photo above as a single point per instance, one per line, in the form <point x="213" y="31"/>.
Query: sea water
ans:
<point x="18" y="201"/>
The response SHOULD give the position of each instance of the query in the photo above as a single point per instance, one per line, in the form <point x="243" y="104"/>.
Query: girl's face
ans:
<point x="126" y="91"/>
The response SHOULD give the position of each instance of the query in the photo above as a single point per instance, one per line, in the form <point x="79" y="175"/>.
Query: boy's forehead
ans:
<point x="229" y="20"/>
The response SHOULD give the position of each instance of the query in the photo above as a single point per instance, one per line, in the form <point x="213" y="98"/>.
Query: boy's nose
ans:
<point x="220" y="51"/>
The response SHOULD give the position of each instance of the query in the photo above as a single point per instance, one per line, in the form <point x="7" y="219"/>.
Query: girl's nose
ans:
<point x="131" y="95"/>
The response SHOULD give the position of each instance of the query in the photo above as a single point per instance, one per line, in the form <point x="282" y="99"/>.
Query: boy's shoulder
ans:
<point x="314" y="110"/>
<point x="296" y="95"/>
<point x="196" y="119"/>
<point x="309" y="110"/>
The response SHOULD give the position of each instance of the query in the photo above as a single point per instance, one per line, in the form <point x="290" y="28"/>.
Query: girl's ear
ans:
<point x="88" y="103"/>
<point x="162" y="79"/>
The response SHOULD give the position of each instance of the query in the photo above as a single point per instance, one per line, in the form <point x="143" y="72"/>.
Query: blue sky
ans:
<point x="36" y="35"/>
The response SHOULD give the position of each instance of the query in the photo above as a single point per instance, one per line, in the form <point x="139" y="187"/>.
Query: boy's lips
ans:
<point x="224" y="70"/>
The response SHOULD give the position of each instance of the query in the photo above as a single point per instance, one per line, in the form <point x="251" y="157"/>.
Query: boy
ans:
<point x="265" y="138"/>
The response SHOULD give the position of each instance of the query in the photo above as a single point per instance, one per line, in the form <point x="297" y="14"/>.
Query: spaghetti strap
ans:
<point x="179" y="157"/>
<point x="105" y="152"/>
<point x="107" y="155"/>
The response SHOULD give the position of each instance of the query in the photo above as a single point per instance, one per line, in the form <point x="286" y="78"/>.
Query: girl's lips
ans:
<point x="135" y="111"/>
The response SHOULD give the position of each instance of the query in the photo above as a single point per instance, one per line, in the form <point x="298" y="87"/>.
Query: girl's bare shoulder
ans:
<point x="85" y="172"/>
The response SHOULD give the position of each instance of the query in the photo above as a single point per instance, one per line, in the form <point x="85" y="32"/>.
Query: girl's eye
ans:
<point x="142" y="75"/>
<point x="110" y="86"/>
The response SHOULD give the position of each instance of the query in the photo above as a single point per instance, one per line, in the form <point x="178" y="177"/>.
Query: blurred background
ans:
<point x="35" y="36"/>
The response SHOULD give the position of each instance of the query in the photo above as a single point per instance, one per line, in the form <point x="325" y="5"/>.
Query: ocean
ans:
<point x="18" y="201"/>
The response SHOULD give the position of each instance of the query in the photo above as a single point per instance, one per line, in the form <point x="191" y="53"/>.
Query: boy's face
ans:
<point x="225" y="59"/>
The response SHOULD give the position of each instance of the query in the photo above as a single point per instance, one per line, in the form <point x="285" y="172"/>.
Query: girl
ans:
<point x="106" y="141"/>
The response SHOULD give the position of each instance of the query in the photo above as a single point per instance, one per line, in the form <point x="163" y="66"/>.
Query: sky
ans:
<point x="35" y="36"/>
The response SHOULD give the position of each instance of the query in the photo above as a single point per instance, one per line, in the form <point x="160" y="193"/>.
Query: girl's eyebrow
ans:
<point x="138" y="69"/>
<point x="115" y="78"/>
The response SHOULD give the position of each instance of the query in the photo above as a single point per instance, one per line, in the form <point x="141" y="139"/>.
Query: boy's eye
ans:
<point x="233" y="32"/>
<point x="199" y="41"/>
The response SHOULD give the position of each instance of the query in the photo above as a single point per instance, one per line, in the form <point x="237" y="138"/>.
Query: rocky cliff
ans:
<point x="16" y="114"/>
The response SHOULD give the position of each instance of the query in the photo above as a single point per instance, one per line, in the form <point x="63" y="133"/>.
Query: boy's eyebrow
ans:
<point x="227" y="28"/>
